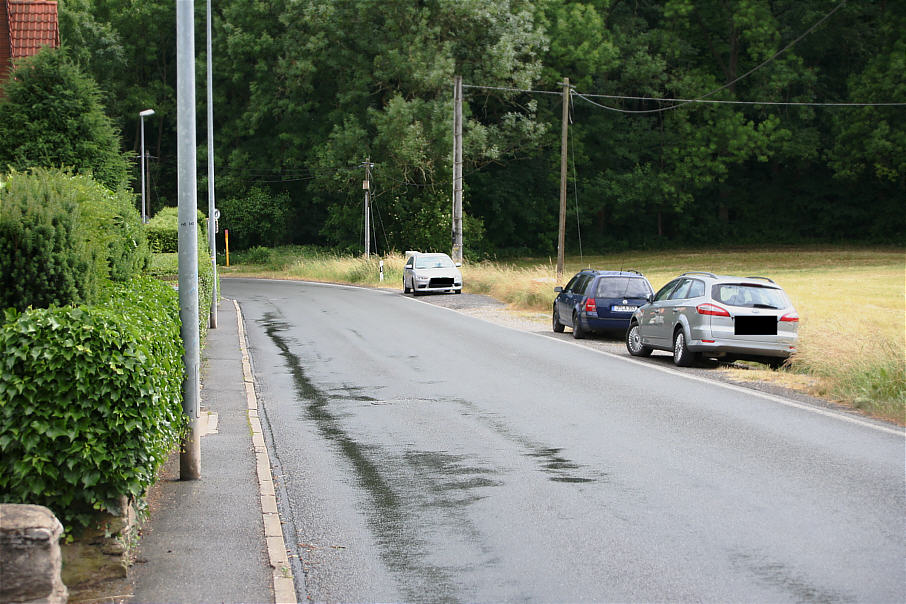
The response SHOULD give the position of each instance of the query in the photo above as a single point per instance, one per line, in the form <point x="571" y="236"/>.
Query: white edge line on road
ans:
<point x="750" y="391"/>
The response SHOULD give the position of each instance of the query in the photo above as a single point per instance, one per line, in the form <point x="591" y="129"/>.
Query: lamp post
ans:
<point x="143" y="115"/>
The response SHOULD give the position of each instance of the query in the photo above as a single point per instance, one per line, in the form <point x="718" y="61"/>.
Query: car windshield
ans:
<point x="433" y="262"/>
<point x="622" y="287"/>
<point x="750" y="295"/>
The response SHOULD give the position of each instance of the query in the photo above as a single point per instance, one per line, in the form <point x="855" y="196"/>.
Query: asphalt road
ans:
<point x="424" y="455"/>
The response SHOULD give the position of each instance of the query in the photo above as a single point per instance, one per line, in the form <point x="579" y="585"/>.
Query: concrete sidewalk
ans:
<point x="218" y="539"/>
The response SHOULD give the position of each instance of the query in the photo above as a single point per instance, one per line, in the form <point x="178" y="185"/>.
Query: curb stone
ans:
<point x="284" y="586"/>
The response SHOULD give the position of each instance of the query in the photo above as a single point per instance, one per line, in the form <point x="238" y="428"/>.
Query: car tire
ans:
<point x="682" y="356"/>
<point x="634" y="342"/>
<point x="578" y="332"/>
<point x="406" y="290"/>
<point x="556" y="325"/>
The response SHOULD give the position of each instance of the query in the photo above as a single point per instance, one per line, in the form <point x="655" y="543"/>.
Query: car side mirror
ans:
<point x="458" y="264"/>
<point x="558" y="289"/>
<point x="649" y="298"/>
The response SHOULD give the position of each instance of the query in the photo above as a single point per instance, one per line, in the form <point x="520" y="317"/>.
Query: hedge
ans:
<point x="163" y="230"/>
<point x="61" y="236"/>
<point x="90" y="400"/>
<point x="46" y="254"/>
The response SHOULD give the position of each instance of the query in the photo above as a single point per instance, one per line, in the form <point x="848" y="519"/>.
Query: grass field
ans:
<point x="852" y="345"/>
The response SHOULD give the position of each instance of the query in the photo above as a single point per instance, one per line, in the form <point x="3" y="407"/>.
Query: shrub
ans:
<point x="61" y="236"/>
<point x="166" y="268"/>
<point x="115" y="224"/>
<point x="163" y="231"/>
<point x="90" y="400"/>
<point x="257" y="219"/>
<point x="46" y="254"/>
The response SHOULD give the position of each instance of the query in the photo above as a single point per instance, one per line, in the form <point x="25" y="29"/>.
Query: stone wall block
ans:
<point x="30" y="559"/>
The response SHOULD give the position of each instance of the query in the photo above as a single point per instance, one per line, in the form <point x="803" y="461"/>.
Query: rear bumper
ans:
<point x="594" y="323"/>
<point x="722" y="348"/>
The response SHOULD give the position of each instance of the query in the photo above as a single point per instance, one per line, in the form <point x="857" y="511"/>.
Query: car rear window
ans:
<point x="750" y="295"/>
<point x="622" y="287"/>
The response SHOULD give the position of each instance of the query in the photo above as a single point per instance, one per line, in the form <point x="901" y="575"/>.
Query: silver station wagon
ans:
<point x="701" y="314"/>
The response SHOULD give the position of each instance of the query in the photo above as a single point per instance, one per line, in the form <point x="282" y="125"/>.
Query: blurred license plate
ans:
<point x="623" y="308"/>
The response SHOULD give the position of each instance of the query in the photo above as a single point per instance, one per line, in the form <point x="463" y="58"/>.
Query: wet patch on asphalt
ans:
<point x="445" y="482"/>
<point x="780" y="576"/>
<point x="548" y="459"/>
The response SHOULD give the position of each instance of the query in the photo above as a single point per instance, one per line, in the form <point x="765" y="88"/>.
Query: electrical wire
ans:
<point x="505" y="89"/>
<point x="587" y="98"/>
<point x="731" y="82"/>
<point x="572" y="149"/>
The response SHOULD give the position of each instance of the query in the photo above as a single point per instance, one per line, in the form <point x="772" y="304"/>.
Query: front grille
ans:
<point x="441" y="282"/>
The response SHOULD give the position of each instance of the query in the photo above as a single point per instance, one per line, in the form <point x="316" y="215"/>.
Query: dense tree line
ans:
<point x="306" y="90"/>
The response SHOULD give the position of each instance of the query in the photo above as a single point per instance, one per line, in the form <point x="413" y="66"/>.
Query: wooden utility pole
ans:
<point x="561" y="232"/>
<point x="457" y="169"/>
<point x="367" y="186"/>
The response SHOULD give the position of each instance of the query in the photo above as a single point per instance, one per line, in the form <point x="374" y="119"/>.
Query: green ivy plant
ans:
<point x="90" y="400"/>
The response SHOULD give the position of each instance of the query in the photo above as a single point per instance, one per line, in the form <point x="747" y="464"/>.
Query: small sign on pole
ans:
<point x="382" y="271"/>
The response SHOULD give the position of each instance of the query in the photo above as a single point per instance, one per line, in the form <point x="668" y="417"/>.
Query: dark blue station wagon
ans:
<point x="599" y="301"/>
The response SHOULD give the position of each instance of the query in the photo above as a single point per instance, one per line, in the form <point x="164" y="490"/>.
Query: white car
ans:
<point x="431" y="273"/>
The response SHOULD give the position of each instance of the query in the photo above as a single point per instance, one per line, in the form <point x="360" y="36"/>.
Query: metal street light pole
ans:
<point x="212" y="213"/>
<point x="187" y="192"/>
<point x="142" y="116"/>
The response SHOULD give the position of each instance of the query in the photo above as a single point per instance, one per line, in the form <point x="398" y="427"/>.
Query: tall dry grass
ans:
<point x="852" y="337"/>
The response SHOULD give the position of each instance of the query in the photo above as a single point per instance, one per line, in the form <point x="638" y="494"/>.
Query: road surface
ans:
<point x="424" y="455"/>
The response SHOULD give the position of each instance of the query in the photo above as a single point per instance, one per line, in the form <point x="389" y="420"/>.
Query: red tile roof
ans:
<point x="32" y="24"/>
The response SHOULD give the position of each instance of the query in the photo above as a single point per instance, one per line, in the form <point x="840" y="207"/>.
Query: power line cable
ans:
<point x="576" y="191"/>
<point x="505" y="89"/>
<point x="731" y="82"/>
<point x="588" y="97"/>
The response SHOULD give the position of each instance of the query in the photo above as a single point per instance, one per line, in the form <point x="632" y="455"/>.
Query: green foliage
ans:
<point x="306" y="91"/>
<point x="61" y="236"/>
<point x="114" y="224"/>
<point x="163" y="230"/>
<point x="166" y="268"/>
<point x="257" y="218"/>
<point x="90" y="400"/>
<point x="47" y="255"/>
<point x="52" y="116"/>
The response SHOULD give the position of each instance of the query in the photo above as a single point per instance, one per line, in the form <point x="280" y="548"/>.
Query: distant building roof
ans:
<point x="32" y="25"/>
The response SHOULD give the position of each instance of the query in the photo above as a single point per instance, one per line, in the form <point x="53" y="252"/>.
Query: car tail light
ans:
<point x="591" y="305"/>
<point x="790" y="317"/>
<point x="711" y="309"/>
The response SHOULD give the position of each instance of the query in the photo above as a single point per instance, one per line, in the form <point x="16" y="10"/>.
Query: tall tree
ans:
<point x="51" y="115"/>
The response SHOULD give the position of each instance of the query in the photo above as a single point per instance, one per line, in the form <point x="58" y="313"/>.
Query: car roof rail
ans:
<point x="765" y="278"/>
<point x="630" y="270"/>
<point x="712" y="275"/>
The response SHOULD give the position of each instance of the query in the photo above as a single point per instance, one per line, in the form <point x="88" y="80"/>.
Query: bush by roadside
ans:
<point x="163" y="231"/>
<point x="166" y="268"/>
<point x="62" y="237"/>
<point x="90" y="400"/>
